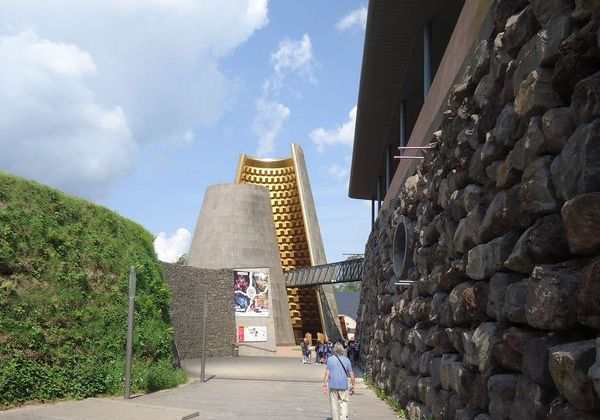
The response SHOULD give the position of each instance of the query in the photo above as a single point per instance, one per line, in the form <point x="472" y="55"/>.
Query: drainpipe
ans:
<point x="388" y="167"/>
<point x="378" y="194"/>
<point x="426" y="59"/>
<point x="372" y="213"/>
<point x="403" y="138"/>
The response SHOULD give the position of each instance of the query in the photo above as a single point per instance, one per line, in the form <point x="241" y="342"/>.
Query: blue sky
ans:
<point x="140" y="105"/>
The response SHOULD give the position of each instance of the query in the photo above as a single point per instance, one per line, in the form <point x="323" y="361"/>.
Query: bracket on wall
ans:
<point x="428" y="147"/>
<point x="405" y="283"/>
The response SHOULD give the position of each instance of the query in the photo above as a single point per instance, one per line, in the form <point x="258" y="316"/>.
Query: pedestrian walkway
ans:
<point x="99" y="409"/>
<point x="243" y="387"/>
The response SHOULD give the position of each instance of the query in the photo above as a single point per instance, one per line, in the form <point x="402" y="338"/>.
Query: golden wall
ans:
<point x="279" y="176"/>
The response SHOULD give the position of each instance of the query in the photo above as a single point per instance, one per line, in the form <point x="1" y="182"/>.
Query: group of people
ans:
<point x="324" y="349"/>
<point x="338" y="382"/>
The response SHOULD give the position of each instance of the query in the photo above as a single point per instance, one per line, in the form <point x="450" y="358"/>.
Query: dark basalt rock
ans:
<point x="569" y="364"/>
<point x="577" y="169"/>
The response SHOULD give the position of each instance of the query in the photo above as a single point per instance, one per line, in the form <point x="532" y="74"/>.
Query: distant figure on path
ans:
<point x="303" y="349"/>
<point x="339" y="369"/>
<point x="306" y="348"/>
<point x="320" y="358"/>
<point x="353" y="351"/>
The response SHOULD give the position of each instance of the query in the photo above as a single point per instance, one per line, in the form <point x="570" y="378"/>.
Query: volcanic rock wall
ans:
<point x="188" y="285"/>
<point x="503" y="318"/>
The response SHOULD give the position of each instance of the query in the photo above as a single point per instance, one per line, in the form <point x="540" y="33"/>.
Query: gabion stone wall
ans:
<point x="503" y="318"/>
<point x="188" y="286"/>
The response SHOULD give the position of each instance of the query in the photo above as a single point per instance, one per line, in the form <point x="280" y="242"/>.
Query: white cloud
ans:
<point x="51" y="127"/>
<point x="188" y="137"/>
<point x="294" y="57"/>
<point x="170" y="248"/>
<point x="337" y="171"/>
<point x="92" y="80"/>
<point x="291" y="58"/>
<point x="353" y="19"/>
<point x="270" y="117"/>
<point x="342" y="134"/>
<point x="158" y="59"/>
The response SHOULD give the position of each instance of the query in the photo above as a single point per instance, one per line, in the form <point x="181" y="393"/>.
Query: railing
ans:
<point x="338" y="272"/>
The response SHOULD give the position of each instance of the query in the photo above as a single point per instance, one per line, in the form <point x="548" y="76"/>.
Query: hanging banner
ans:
<point x="251" y="292"/>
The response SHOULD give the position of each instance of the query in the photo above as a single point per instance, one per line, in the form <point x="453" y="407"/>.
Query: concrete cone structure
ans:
<point x="235" y="230"/>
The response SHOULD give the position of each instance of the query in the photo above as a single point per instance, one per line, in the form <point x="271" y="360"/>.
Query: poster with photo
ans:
<point x="251" y="292"/>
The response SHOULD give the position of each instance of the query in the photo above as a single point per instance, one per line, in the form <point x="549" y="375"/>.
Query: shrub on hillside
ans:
<point x="63" y="299"/>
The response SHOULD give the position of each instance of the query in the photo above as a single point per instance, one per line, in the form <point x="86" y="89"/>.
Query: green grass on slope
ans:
<point x="63" y="299"/>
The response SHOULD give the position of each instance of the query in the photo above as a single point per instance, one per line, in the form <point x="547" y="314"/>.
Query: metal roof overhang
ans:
<point x="392" y="69"/>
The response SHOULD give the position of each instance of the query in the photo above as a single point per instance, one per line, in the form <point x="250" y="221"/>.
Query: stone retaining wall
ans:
<point x="503" y="317"/>
<point x="188" y="286"/>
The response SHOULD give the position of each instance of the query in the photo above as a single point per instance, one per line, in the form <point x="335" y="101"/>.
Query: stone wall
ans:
<point x="187" y="286"/>
<point x="502" y="318"/>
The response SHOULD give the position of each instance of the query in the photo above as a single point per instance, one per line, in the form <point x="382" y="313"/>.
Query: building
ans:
<point x="477" y="141"/>
<point x="414" y="51"/>
<point x="298" y="236"/>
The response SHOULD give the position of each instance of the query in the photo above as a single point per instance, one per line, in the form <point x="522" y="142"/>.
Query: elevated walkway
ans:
<point x="339" y="272"/>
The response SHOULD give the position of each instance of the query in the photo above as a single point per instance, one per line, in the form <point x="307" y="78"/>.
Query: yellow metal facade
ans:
<point x="279" y="176"/>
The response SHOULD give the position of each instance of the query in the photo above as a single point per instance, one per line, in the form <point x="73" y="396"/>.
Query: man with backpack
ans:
<point x="335" y="382"/>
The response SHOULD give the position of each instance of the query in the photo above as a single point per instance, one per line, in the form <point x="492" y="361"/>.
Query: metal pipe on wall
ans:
<point x="426" y="59"/>
<point x="372" y="213"/>
<point x="403" y="139"/>
<point x="379" y="194"/>
<point x="388" y="167"/>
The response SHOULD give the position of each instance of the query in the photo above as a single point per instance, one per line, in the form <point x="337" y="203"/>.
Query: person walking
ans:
<point x="335" y="382"/>
<point x="320" y="348"/>
<point x="304" y="350"/>
<point x="328" y="348"/>
<point x="307" y="348"/>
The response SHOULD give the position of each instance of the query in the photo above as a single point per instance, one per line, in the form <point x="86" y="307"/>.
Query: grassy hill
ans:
<point x="63" y="299"/>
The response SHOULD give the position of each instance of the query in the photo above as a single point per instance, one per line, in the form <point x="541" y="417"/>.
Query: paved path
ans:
<point x="244" y="387"/>
<point x="99" y="409"/>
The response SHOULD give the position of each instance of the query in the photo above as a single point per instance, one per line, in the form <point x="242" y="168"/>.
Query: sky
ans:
<point x="140" y="105"/>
